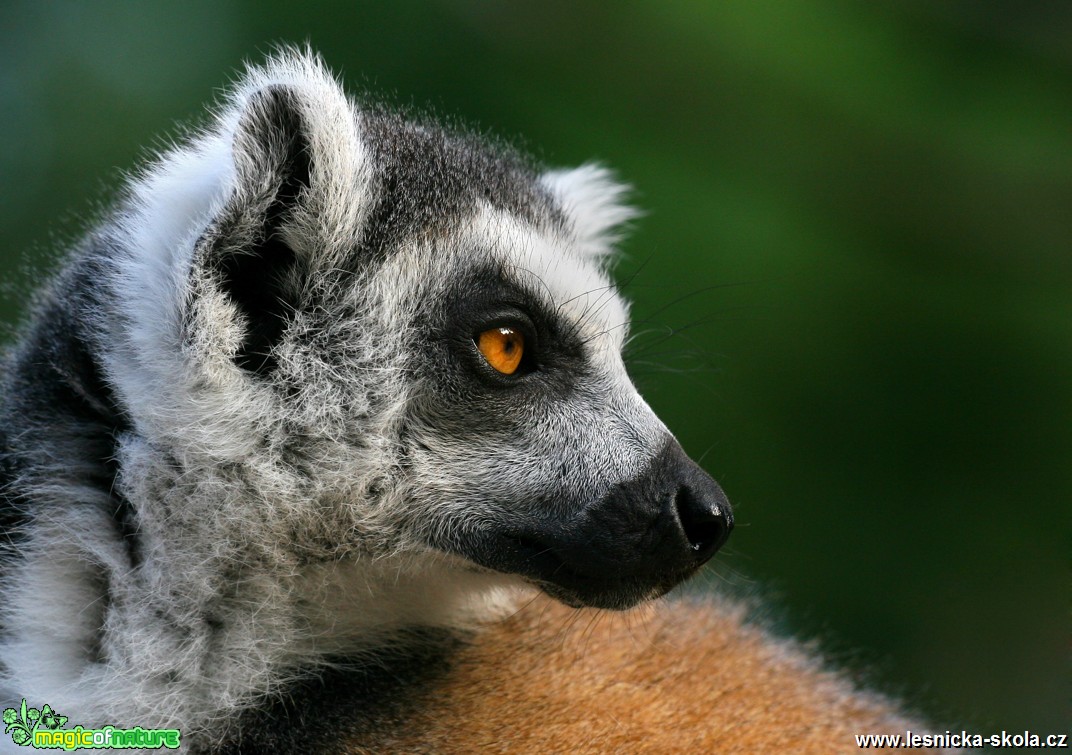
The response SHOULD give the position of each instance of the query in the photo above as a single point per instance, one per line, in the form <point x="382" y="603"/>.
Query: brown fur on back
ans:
<point x="673" y="677"/>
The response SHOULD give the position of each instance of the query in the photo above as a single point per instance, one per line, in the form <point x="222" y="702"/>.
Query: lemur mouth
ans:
<point x="577" y="586"/>
<point x="539" y="557"/>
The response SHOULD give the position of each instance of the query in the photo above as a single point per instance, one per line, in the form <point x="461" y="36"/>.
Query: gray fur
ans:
<point x="241" y="437"/>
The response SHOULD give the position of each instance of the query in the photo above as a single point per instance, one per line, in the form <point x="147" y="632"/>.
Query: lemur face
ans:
<point x="399" y="339"/>
<point x="531" y="451"/>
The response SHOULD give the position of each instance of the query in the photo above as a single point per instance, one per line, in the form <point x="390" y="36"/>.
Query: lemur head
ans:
<point x="357" y="335"/>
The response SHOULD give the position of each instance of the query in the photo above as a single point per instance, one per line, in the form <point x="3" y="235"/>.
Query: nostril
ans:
<point x="705" y="519"/>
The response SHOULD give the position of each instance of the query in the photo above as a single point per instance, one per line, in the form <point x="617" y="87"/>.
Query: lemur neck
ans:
<point x="351" y="604"/>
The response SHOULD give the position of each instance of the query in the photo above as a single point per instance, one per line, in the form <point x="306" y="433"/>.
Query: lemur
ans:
<point x="300" y="430"/>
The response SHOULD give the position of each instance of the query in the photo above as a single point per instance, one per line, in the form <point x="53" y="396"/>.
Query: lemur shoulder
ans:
<point x="301" y="428"/>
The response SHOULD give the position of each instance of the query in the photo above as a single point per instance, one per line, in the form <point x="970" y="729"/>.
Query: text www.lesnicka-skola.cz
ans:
<point x="912" y="740"/>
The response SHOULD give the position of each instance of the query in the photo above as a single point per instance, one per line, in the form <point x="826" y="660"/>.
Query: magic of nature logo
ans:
<point x="43" y="728"/>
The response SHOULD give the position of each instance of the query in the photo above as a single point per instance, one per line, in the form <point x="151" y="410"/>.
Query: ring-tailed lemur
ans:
<point x="322" y="395"/>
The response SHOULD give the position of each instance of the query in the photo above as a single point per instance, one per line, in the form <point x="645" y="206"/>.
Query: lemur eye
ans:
<point x="502" y="348"/>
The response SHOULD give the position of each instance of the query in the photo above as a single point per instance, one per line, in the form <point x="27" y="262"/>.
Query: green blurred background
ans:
<point x="854" y="277"/>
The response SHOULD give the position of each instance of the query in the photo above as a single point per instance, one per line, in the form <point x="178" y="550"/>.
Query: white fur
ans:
<point x="595" y="201"/>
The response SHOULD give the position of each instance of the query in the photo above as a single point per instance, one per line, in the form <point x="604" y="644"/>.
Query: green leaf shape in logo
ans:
<point x="21" y="723"/>
<point x="50" y="719"/>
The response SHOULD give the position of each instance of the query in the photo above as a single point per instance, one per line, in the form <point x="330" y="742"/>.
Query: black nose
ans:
<point x="701" y="508"/>
<point x="657" y="527"/>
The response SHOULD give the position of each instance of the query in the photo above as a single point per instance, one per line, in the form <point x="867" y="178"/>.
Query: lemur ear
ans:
<point x="296" y="201"/>
<point x="255" y="261"/>
<point x="594" y="201"/>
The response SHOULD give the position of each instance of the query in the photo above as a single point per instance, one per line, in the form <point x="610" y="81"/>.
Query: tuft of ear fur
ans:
<point x="594" y="201"/>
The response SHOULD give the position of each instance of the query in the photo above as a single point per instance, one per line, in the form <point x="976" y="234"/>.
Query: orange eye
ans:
<point x="503" y="348"/>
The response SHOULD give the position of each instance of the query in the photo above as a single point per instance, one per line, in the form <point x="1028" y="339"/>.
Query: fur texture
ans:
<point x="671" y="677"/>
<point x="253" y="455"/>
